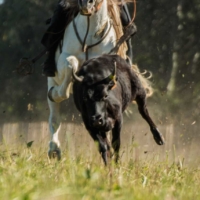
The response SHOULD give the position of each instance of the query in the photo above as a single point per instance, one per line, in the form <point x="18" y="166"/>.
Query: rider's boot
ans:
<point x="49" y="66"/>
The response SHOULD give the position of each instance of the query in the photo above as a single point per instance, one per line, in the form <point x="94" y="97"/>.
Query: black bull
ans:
<point x="102" y="90"/>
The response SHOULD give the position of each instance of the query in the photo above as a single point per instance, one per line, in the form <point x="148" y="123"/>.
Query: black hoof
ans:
<point x="105" y="159"/>
<point x="159" y="139"/>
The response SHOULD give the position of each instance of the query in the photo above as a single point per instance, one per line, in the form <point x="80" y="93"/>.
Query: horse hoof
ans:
<point x="159" y="139"/>
<point x="54" y="154"/>
<point x="54" y="151"/>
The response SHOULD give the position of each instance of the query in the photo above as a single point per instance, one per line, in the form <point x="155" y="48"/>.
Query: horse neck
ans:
<point x="97" y="20"/>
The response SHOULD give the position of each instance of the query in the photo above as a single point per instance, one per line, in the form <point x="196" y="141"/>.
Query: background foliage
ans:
<point x="167" y="44"/>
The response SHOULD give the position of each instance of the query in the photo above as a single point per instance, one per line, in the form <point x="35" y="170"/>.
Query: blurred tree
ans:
<point x="23" y="23"/>
<point x="167" y="44"/>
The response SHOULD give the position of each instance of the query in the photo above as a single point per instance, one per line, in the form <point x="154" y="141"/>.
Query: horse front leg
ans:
<point x="141" y="102"/>
<point x="61" y="91"/>
<point x="54" y="127"/>
<point x="58" y="90"/>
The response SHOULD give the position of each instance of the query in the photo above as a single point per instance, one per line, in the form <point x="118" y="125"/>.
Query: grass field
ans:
<point x="26" y="173"/>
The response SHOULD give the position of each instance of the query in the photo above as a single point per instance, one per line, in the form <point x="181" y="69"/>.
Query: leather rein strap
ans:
<point x="86" y="47"/>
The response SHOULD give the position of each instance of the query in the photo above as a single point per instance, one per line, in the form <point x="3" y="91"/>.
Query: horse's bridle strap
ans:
<point x="85" y="48"/>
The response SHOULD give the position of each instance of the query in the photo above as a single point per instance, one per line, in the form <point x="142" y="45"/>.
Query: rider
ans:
<point x="54" y="34"/>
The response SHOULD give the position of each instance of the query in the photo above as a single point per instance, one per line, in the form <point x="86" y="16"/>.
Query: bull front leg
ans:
<point x="116" y="139"/>
<point x="103" y="143"/>
<point x="141" y="102"/>
<point x="104" y="147"/>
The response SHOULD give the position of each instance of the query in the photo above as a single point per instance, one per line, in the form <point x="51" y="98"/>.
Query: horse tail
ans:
<point x="146" y="83"/>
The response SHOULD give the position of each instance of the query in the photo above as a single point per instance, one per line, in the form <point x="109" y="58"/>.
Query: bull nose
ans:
<point x="97" y="120"/>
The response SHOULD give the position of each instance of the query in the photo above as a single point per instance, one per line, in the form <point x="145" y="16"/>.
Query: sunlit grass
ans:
<point x="27" y="173"/>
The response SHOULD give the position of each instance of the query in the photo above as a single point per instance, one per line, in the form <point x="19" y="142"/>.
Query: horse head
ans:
<point x="89" y="7"/>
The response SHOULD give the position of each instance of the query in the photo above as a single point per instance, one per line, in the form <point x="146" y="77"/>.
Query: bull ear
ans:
<point x="113" y="76"/>
<point x="75" y="77"/>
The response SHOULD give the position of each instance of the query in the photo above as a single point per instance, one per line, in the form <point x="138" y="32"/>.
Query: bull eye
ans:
<point x="90" y="1"/>
<point x="104" y="98"/>
<point x="111" y="84"/>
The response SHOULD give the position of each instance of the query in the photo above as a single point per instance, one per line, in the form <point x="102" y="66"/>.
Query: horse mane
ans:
<point x="114" y="13"/>
<point x="145" y="82"/>
<point x="72" y="3"/>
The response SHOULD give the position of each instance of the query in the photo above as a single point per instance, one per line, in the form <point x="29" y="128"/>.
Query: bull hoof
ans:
<point x="54" y="151"/>
<point x="105" y="158"/>
<point x="159" y="139"/>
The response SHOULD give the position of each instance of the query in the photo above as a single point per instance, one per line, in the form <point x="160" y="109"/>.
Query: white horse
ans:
<point x="92" y="26"/>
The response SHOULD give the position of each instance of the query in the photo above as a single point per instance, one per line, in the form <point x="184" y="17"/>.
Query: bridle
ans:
<point x="86" y="47"/>
<point x="96" y="6"/>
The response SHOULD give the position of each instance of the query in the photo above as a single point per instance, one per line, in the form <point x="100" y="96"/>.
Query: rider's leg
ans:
<point x="52" y="38"/>
<point x="126" y="19"/>
<point x="49" y="66"/>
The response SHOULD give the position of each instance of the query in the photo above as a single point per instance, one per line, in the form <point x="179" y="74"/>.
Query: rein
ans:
<point x="134" y="13"/>
<point x="86" y="47"/>
<point x="25" y="66"/>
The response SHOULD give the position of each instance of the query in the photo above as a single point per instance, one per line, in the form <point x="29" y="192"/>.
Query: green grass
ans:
<point x="28" y="174"/>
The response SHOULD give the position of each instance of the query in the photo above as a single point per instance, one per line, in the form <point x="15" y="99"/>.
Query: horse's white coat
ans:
<point x="71" y="46"/>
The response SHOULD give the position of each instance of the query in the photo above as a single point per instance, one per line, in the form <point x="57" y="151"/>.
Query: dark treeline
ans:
<point x="167" y="44"/>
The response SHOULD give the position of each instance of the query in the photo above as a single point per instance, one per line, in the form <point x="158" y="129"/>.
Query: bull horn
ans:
<point x="73" y="63"/>
<point x="114" y="72"/>
<point x="115" y="68"/>
<point x="77" y="78"/>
